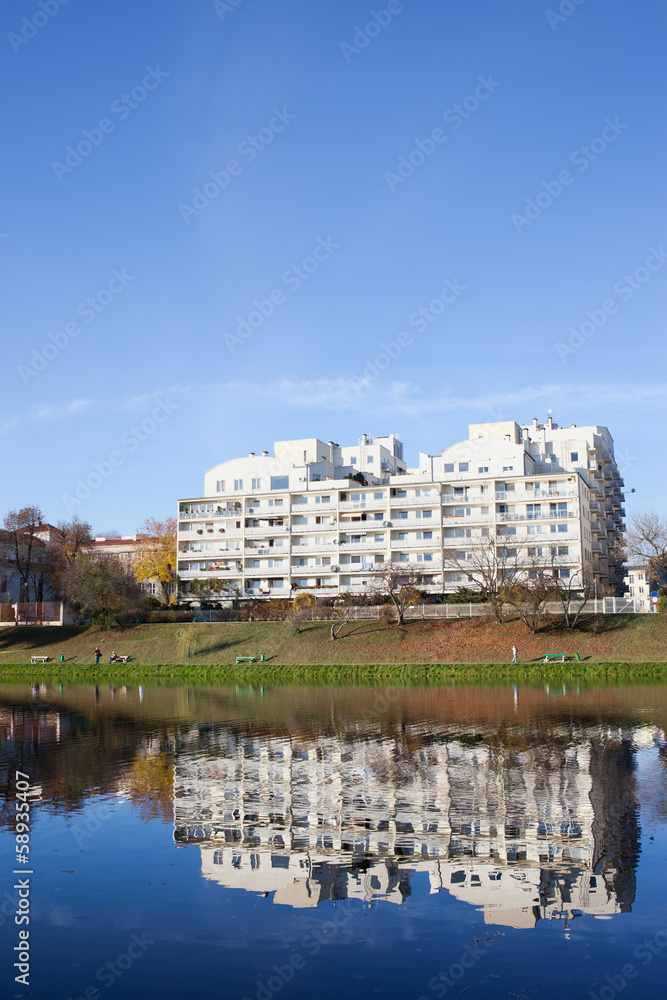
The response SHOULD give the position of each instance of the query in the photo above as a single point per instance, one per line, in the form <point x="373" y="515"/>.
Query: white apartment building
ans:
<point x="273" y="526"/>
<point x="638" y="587"/>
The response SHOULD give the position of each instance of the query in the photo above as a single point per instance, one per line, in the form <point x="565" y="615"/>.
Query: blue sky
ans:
<point x="539" y="200"/>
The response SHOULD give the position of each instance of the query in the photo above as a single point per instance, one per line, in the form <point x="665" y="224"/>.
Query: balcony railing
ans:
<point x="412" y="501"/>
<point x="262" y="530"/>
<point x="545" y="516"/>
<point x="209" y="515"/>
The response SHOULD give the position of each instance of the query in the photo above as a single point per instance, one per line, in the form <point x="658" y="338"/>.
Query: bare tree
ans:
<point x="399" y="582"/>
<point x="343" y="613"/>
<point x="573" y="593"/>
<point x="20" y="543"/>
<point x="491" y="564"/>
<point x="103" y="589"/>
<point x="647" y="541"/>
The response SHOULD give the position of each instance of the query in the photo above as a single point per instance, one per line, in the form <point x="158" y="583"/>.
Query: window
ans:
<point x="256" y="484"/>
<point x="425" y="513"/>
<point x="238" y="484"/>
<point x="276" y="503"/>
<point x="402" y="515"/>
<point x="507" y="553"/>
<point x="449" y="466"/>
<point x="277" y="584"/>
<point x="279" y="482"/>
<point x="379" y="538"/>
<point x="464" y="466"/>
<point x="369" y="459"/>
<point x="427" y="535"/>
<point x="220" y="486"/>
<point x="353" y="460"/>
<point x="378" y="496"/>
<point x="483" y="468"/>
<point x="355" y="538"/>
<point x="574" y="456"/>
<point x="535" y="551"/>
<point x="508" y="468"/>
<point x="461" y="556"/>
<point x="536" y="529"/>
<point x="506" y="530"/>
<point x="458" y="491"/>
<point x="426" y="557"/>
<point x="564" y="574"/>
<point x="485" y="532"/>
<point x="378" y="517"/>
<point x="254" y="564"/>
<point x="300" y="500"/>
<point x="563" y="550"/>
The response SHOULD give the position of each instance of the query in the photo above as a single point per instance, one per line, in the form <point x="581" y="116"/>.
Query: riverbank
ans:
<point x="606" y="640"/>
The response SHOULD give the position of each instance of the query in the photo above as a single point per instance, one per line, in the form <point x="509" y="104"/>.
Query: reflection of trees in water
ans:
<point x="73" y="756"/>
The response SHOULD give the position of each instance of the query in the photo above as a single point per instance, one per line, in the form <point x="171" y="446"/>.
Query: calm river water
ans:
<point x="325" y="842"/>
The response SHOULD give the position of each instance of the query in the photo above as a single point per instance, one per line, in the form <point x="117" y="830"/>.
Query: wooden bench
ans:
<point x="39" y="659"/>
<point x="120" y="659"/>
<point x="558" y="656"/>
<point x="205" y="620"/>
<point x="251" y="659"/>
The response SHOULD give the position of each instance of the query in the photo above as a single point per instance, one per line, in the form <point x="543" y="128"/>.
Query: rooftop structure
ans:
<point x="319" y="517"/>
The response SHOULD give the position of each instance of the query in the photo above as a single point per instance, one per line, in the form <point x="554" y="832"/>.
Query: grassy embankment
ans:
<point x="625" y="646"/>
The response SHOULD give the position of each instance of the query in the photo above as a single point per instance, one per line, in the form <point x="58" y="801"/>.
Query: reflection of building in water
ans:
<point x="523" y="831"/>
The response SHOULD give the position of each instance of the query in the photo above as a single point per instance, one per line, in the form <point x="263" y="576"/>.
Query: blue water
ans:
<point x="221" y="842"/>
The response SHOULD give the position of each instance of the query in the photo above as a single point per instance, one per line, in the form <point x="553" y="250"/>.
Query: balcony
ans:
<point x="416" y="543"/>
<point x="546" y="516"/>
<point x="412" y="501"/>
<point x="209" y="515"/>
<point x="264" y="530"/>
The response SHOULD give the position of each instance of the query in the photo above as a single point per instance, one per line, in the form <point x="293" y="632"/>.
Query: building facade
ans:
<point x="273" y="526"/>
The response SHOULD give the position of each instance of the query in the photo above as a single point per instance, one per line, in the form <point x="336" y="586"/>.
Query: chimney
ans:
<point x="265" y="454"/>
<point x="251" y="454"/>
<point x="534" y="423"/>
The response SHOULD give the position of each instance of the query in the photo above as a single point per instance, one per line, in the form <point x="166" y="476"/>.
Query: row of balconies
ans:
<point x="435" y="500"/>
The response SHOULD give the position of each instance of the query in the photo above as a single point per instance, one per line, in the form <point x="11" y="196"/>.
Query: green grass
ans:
<point x="263" y="674"/>
<point x="628" y="643"/>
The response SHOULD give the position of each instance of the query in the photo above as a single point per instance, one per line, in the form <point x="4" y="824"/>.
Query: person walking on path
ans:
<point x="98" y="653"/>
<point x="515" y="654"/>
